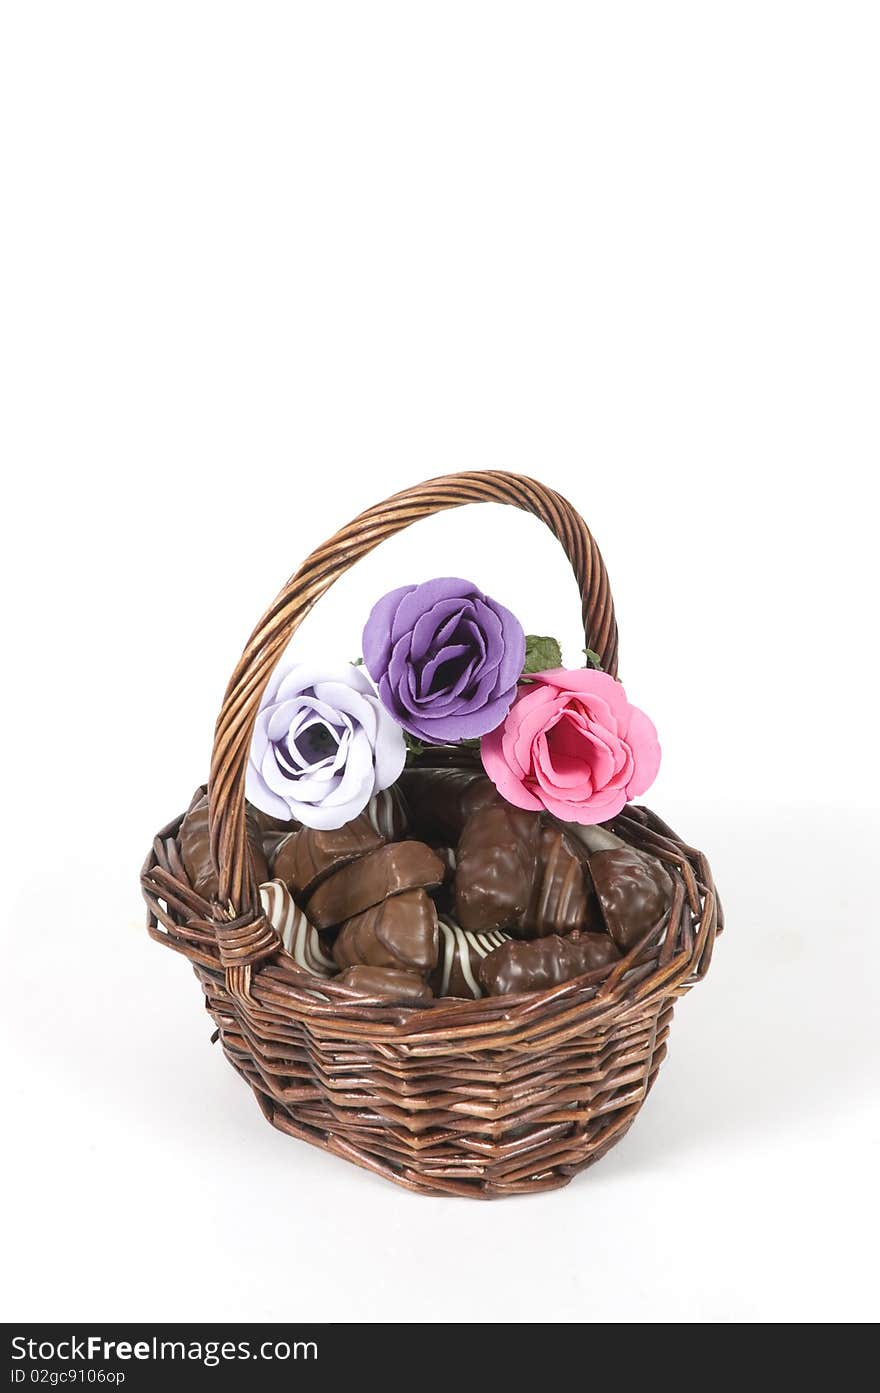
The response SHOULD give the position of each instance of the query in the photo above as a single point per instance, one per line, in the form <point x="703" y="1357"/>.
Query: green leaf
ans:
<point x="414" y="746"/>
<point x="593" y="659"/>
<point x="358" y="662"/>
<point x="542" y="653"/>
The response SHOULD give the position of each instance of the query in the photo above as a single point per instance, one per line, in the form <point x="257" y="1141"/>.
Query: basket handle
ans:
<point x="246" y="938"/>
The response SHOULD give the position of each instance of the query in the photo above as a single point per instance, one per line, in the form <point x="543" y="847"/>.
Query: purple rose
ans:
<point x="322" y="746"/>
<point x="445" y="658"/>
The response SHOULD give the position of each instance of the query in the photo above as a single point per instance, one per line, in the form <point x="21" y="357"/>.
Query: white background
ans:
<point x="263" y="264"/>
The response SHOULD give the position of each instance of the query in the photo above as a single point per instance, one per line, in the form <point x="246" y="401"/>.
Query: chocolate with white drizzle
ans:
<point x="401" y="932"/>
<point x="387" y="814"/>
<point x="300" y="938"/>
<point x="460" y="956"/>
<point x="544" y="962"/>
<point x="562" y="895"/>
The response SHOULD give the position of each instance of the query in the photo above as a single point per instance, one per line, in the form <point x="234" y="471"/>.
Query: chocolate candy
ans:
<point x="308" y="856"/>
<point x="517" y="872"/>
<point x="441" y="800"/>
<point x="401" y="932"/>
<point x="497" y="856"/>
<point x="562" y="897"/>
<point x="460" y="956"/>
<point x="544" y="962"/>
<point x="300" y="938"/>
<point x="195" y="850"/>
<point x="634" y="893"/>
<point x="366" y="882"/>
<point x="386" y="983"/>
<point x="273" y="831"/>
<point x="387" y="814"/>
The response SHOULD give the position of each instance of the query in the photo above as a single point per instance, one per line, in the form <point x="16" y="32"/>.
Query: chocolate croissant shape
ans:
<point x="634" y="893"/>
<point x="441" y="800"/>
<point x="544" y="962"/>
<point x="309" y="856"/>
<point x="496" y="860"/>
<point x="460" y="956"/>
<point x="195" y="850"/>
<point x="300" y="938"/>
<point x="401" y="932"/>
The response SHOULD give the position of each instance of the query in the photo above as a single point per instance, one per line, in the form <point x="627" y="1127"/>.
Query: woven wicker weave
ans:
<point x="485" y="1098"/>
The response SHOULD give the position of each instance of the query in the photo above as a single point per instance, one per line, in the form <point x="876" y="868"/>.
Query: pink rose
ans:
<point x="571" y="743"/>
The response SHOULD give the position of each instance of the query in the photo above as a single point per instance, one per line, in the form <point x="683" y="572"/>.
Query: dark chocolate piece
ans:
<point x="400" y="932"/>
<point x="441" y="800"/>
<point x="459" y="960"/>
<point x="517" y="872"/>
<point x="308" y="856"/>
<point x="545" y="962"/>
<point x="497" y="857"/>
<point x="369" y="880"/>
<point x="273" y="831"/>
<point x="562" y="894"/>
<point x="195" y="850"/>
<point x="634" y="893"/>
<point x="387" y="983"/>
<point x="299" y="938"/>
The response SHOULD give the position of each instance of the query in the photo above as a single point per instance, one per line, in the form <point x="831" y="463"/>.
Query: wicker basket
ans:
<point x="500" y="1096"/>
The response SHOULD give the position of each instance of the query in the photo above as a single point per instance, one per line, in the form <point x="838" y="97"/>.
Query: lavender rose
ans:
<point x="322" y="746"/>
<point x="445" y="658"/>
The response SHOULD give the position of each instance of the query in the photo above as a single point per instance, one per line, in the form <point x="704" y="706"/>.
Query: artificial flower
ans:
<point x="572" y="744"/>
<point x="445" y="658"/>
<point x="322" y="746"/>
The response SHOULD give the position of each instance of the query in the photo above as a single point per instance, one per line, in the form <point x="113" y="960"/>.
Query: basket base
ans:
<point x="544" y="1154"/>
